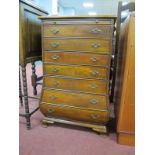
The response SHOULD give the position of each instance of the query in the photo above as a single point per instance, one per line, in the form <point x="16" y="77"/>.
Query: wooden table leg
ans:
<point x="20" y="91"/>
<point x="34" y="78"/>
<point x="28" y="124"/>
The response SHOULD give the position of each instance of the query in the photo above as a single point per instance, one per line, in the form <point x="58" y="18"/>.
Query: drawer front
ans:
<point x="104" y="31"/>
<point x="77" y="58"/>
<point x="77" y="71"/>
<point x="90" y="101"/>
<point x="94" y="116"/>
<point x="91" y="86"/>
<point x="87" y="45"/>
<point x="80" y="22"/>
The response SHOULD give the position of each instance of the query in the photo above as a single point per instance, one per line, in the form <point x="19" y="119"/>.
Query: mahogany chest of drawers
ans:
<point x="76" y="53"/>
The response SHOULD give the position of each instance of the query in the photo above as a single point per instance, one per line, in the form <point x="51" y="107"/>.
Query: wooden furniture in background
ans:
<point x="29" y="48"/>
<point x="76" y="67"/>
<point x="30" y="37"/>
<point x="126" y="9"/>
<point x="124" y="97"/>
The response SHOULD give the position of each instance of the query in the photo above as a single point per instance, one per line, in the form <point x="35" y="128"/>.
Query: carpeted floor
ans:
<point x="63" y="139"/>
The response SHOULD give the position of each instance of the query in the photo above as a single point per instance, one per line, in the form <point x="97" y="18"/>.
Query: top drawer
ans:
<point x="104" y="31"/>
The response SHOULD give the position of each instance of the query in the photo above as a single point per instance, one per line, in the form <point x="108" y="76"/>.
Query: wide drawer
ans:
<point x="77" y="58"/>
<point x="77" y="71"/>
<point x="104" y="31"/>
<point x="82" y="85"/>
<point x="70" y="44"/>
<point x="70" y="113"/>
<point x="70" y="98"/>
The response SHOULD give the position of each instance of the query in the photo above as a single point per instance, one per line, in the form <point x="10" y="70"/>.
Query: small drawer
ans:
<point x="88" y="101"/>
<point x="104" y="31"/>
<point x="70" y="44"/>
<point x="77" y="58"/>
<point x="77" y="71"/>
<point x="70" y="113"/>
<point x="82" y="85"/>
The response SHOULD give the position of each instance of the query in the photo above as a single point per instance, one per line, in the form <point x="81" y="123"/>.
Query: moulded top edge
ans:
<point x="78" y="17"/>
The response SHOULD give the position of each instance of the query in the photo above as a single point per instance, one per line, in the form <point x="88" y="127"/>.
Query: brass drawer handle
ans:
<point x="56" y="83"/>
<point x="53" y="97"/>
<point x="94" y="59"/>
<point x="93" y="86"/>
<point x="95" y="116"/>
<point x="96" y="30"/>
<point x="54" y="31"/>
<point x="95" y="45"/>
<point x="55" y="57"/>
<point x="51" y="110"/>
<point x="54" y="45"/>
<point x="55" y="69"/>
<point x="94" y="72"/>
<point x="93" y="101"/>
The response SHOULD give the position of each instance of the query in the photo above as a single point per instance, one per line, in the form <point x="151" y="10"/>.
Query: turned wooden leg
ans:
<point x="34" y="78"/>
<point x="26" y="97"/>
<point x="20" y="91"/>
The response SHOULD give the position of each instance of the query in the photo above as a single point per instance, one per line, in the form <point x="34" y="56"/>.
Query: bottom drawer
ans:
<point x="70" y="113"/>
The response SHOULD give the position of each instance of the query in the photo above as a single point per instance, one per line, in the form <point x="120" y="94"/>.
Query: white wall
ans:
<point x="74" y="7"/>
<point x="64" y="11"/>
<point x="106" y="7"/>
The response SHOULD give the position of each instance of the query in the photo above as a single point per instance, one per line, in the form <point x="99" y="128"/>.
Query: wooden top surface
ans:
<point x="78" y="17"/>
